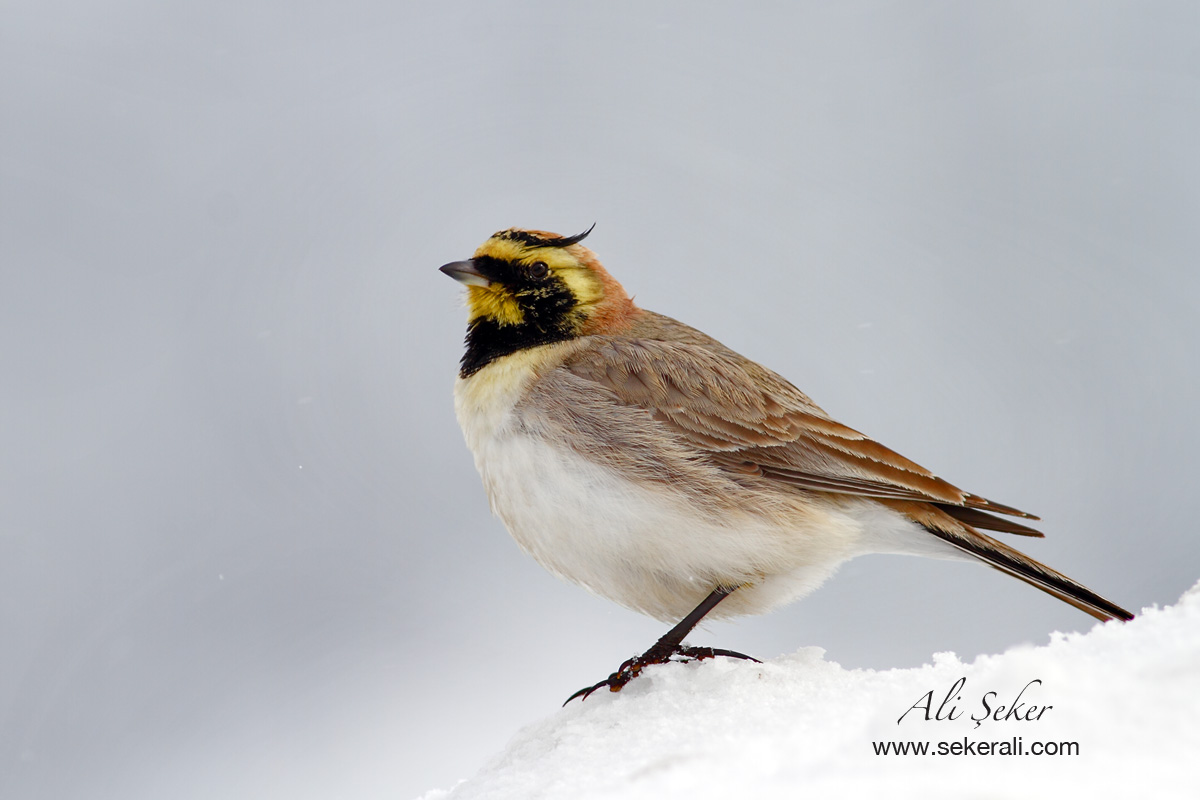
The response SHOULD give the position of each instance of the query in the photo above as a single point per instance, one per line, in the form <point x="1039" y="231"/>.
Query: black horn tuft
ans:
<point x="535" y="240"/>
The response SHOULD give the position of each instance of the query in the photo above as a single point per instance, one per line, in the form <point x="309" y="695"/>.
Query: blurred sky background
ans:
<point x="244" y="552"/>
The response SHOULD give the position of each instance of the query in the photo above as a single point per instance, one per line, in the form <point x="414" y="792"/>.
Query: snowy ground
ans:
<point x="801" y="726"/>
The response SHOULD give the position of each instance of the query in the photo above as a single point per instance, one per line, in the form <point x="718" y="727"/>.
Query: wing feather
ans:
<point x="747" y="419"/>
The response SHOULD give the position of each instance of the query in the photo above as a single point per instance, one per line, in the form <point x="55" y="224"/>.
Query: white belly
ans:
<point x="646" y="547"/>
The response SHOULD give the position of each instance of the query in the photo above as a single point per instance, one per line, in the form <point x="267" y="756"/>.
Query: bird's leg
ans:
<point x="670" y="645"/>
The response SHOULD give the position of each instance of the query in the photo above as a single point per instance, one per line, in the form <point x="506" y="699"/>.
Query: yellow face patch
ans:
<point x="581" y="282"/>
<point x="493" y="302"/>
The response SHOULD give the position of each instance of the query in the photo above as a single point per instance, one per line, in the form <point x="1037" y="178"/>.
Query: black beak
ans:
<point x="465" y="272"/>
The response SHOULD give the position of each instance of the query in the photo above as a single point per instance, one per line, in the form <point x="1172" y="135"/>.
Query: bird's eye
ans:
<point x="538" y="270"/>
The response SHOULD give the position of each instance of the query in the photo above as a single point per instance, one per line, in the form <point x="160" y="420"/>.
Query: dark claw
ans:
<point x="655" y="655"/>
<point x="586" y="691"/>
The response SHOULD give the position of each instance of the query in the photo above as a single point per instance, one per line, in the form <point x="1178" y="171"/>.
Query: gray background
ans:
<point x="243" y="549"/>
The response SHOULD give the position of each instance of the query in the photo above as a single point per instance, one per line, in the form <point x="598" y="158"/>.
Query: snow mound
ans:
<point x="1119" y="708"/>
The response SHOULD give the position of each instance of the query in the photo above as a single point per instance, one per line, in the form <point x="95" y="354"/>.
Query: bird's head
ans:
<point x="527" y="288"/>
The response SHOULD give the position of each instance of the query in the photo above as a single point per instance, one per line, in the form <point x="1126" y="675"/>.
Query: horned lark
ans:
<point x="649" y="463"/>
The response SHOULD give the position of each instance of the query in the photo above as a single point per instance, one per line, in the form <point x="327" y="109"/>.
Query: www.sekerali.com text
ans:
<point x="1016" y="746"/>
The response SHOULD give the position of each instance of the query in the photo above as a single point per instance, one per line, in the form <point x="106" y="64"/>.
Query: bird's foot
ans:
<point x="656" y="655"/>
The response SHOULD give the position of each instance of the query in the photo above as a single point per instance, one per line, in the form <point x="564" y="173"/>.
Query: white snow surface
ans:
<point x="802" y="726"/>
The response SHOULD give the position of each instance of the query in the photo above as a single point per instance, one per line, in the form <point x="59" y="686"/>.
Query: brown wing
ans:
<point x="746" y="418"/>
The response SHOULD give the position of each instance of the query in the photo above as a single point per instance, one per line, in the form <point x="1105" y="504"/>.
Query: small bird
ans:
<point x="645" y="461"/>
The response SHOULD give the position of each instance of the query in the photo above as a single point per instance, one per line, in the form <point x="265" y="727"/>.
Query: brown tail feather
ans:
<point x="979" y="519"/>
<point x="1000" y="556"/>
